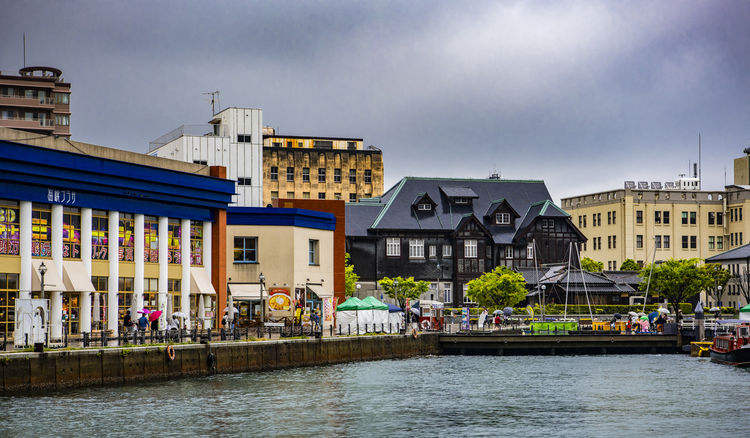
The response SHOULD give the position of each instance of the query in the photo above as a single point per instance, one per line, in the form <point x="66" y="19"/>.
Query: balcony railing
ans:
<point x="30" y="122"/>
<point x="40" y="100"/>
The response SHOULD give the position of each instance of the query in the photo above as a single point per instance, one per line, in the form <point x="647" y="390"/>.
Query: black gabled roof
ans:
<point x="458" y="191"/>
<point x="423" y="196"/>
<point x="741" y="253"/>
<point x="395" y="212"/>
<point x="494" y="205"/>
<point x="544" y="209"/>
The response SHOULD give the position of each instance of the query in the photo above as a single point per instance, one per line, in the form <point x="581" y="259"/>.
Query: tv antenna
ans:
<point x="214" y="100"/>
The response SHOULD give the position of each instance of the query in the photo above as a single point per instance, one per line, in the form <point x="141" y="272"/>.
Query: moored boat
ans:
<point x="732" y="348"/>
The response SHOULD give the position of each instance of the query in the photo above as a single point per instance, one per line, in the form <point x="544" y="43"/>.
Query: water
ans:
<point x="581" y="396"/>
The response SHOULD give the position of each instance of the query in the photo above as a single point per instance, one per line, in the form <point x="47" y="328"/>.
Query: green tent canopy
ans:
<point x="374" y="304"/>
<point x="352" y="303"/>
<point x="745" y="309"/>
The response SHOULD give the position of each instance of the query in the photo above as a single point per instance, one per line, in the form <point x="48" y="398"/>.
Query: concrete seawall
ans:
<point x="56" y="370"/>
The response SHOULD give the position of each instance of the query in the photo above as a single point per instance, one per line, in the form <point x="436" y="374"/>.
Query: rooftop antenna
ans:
<point x="24" y="50"/>
<point x="699" y="161"/>
<point x="214" y="98"/>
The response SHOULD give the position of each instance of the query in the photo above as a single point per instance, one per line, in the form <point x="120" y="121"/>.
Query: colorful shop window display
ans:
<point x="126" y="238"/>
<point x="41" y="231"/>
<point x="99" y="237"/>
<point x="174" y="237"/>
<point x="10" y="231"/>
<point x="196" y="243"/>
<point x="151" y="240"/>
<point x="71" y="233"/>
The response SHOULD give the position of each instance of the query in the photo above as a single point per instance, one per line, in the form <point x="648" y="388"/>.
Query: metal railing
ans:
<point x="41" y="100"/>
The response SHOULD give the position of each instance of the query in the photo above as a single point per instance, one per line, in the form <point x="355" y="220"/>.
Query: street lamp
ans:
<point x="42" y="271"/>
<point x="544" y="287"/>
<point x="437" y="285"/>
<point x="262" y="280"/>
<point x="359" y="286"/>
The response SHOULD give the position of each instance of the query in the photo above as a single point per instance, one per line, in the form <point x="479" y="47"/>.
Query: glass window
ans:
<point x="666" y="242"/>
<point x="352" y="197"/>
<point x="150" y="239"/>
<point x="470" y="248"/>
<point x="196" y="243"/>
<point x="8" y="295"/>
<point x="99" y="235"/>
<point x="433" y="251"/>
<point x="321" y="174"/>
<point x="10" y="228"/>
<point x="124" y="296"/>
<point x="62" y="98"/>
<point x="666" y="217"/>
<point x="393" y="247"/>
<point x="41" y="231"/>
<point x="711" y="242"/>
<point x="416" y="248"/>
<point x="71" y="233"/>
<point x="685" y="241"/>
<point x="692" y="218"/>
<point x="337" y="175"/>
<point x="693" y="242"/>
<point x="509" y="252"/>
<point x="305" y="174"/>
<point x="424" y="207"/>
<point x="711" y="218"/>
<point x="639" y="216"/>
<point x="99" y="301"/>
<point x="684" y="218"/>
<point x="174" y="236"/>
<point x="313" y="255"/>
<point x="352" y="176"/>
<point x="290" y="173"/>
<point x="321" y="195"/>
<point x="305" y="195"/>
<point x="274" y="173"/>
<point x="719" y="218"/>
<point x="657" y="217"/>
<point x="151" y="293"/>
<point x="447" y="292"/>
<point x="657" y="241"/>
<point x="447" y="251"/>
<point x="639" y="241"/>
<point x="126" y="237"/>
<point x="719" y="242"/>
<point x="174" y="290"/>
<point x="245" y="249"/>
<point x="504" y="218"/>
<point x="530" y="252"/>
<point x="368" y="176"/>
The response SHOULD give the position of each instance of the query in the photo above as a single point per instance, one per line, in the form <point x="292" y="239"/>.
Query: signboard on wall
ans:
<point x="279" y="299"/>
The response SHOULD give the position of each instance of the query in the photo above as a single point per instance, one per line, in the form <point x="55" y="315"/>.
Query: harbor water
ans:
<point x="576" y="396"/>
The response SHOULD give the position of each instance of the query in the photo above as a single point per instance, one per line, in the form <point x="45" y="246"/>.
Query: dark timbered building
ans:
<point x="450" y="231"/>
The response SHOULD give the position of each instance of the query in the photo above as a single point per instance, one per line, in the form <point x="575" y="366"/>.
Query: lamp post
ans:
<point x="541" y="309"/>
<point x="437" y="285"/>
<point x="262" y="280"/>
<point x="42" y="271"/>
<point x="359" y="286"/>
<point x="395" y="292"/>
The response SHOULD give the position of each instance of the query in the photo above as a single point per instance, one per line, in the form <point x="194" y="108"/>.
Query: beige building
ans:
<point x="304" y="167"/>
<point x="36" y="100"/>
<point x="648" y="223"/>
<point x="293" y="249"/>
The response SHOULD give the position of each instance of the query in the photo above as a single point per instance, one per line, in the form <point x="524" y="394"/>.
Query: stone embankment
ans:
<point x="57" y="370"/>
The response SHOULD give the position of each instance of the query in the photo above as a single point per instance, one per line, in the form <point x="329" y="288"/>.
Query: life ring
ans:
<point x="414" y="333"/>
<point x="426" y="325"/>
<point x="170" y="352"/>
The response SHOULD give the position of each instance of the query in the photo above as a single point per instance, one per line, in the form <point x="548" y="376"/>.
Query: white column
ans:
<point x="185" y="259"/>
<point x="55" y="307"/>
<point x="85" y="311"/>
<point x="139" y="259"/>
<point x="114" y="271"/>
<point x="207" y="266"/>
<point x="24" y="288"/>
<point x="163" y="271"/>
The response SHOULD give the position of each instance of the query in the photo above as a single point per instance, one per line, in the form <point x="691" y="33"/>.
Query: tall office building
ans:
<point x="35" y="100"/>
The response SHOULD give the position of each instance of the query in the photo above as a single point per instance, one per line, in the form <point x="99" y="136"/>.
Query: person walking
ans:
<point x="127" y="321"/>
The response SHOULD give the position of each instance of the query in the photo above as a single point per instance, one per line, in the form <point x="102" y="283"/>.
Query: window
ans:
<point x="666" y="242"/>
<point x="685" y="242"/>
<point x="352" y="197"/>
<point x="684" y="218"/>
<point x="151" y="239"/>
<point x="711" y="217"/>
<point x="447" y="293"/>
<point x="352" y="176"/>
<point x="244" y="181"/>
<point x="274" y="194"/>
<point x="719" y="218"/>
<point x="711" y="242"/>
<point x="312" y="252"/>
<point x="614" y="242"/>
<point x="41" y="231"/>
<point x="174" y="290"/>
<point x="126" y="238"/>
<point x="424" y="207"/>
<point x="657" y="241"/>
<point x="289" y="143"/>
<point x="740" y="211"/>
<point x="693" y="242"/>
<point x="274" y="173"/>
<point x="323" y="144"/>
<point x="305" y="195"/>
<point x="657" y="217"/>
<point x="470" y="248"/>
<point x="639" y="216"/>
<point x="639" y="241"/>
<point x="740" y="237"/>
<point x="277" y="144"/>
<point x="447" y="251"/>
<point x="246" y="250"/>
<point x="60" y="120"/>
<point x="290" y="195"/>
<point x="321" y="195"/>
<point x="609" y="218"/>
<point x="393" y="247"/>
<point x="62" y="98"/>
<point x="584" y="221"/>
<point x="461" y="200"/>
<point x="530" y="252"/>
<point x="504" y="218"/>
<point x="433" y="251"/>
<point x="203" y="162"/>
<point x="99" y="235"/>
<point x="244" y="138"/>
<point x="579" y="221"/>
<point x="416" y="248"/>
<point x="71" y="233"/>
<point x="321" y="174"/>
<point x="368" y="176"/>
<point x="337" y="175"/>
<point x="509" y="252"/>
<point x="174" y="241"/>
<point x="305" y="174"/>
<point x="692" y="218"/>
<point x="8" y="294"/>
<point x="609" y="242"/>
<point x="290" y="173"/>
<point x="666" y="217"/>
<point x="196" y="243"/>
<point x="599" y="219"/>
<point x="124" y="295"/>
<point x="719" y="242"/>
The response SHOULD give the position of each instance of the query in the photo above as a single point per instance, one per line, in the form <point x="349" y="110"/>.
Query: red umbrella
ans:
<point x="153" y="316"/>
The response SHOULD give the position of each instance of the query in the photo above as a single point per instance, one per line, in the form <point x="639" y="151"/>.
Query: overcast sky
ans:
<point x="583" y="95"/>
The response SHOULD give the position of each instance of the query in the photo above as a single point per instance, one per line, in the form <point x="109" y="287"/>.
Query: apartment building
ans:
<point x="37" y="100"/>
<point x="304" y="167"/>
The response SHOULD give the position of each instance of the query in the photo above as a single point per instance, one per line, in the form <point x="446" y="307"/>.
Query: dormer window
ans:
<point x="502" y="218"/>
<point x="461" y="200"/>
<point x="424" y="207"/>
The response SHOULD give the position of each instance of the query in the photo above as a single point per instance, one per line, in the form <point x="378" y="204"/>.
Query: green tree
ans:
<point x="591" y="265"/>
<point x="499" y="288"/>
<point x="719" y="279"/>
<point x="629" y="265"/>
<point x="406" y="288"/>
<point x="350" y="276"/>
<point x="677" y="280"/>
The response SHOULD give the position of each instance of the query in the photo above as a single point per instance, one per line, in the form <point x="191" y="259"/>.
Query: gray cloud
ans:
<point x="580" y="94"/>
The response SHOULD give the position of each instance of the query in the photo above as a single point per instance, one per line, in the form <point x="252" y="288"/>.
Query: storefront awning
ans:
<point x="245" y="291"/>
<point x="75" y="277"/>
<point x="52" y="281"/>
<point x="199" y="282"/>
<point x="319" y="291"/>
